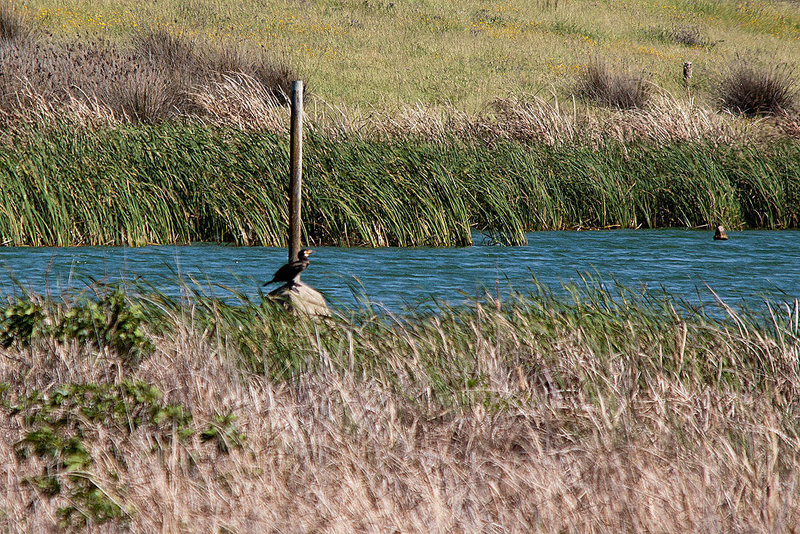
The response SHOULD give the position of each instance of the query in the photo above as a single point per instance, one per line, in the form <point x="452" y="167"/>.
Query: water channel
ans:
<point x="751" y="266"/>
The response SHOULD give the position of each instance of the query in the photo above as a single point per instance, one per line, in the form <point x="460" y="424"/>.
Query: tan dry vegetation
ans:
<point x="557" y="437"/>
<point x="238" y="100"/>
<point x="379" y="54"/>
<point x="527" y="118"/>
<point x="158" y="74"/>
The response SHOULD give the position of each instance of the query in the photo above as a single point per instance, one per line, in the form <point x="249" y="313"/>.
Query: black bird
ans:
<point x="291" y="271"/>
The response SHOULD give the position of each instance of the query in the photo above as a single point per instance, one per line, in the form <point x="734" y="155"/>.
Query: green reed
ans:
<point x="62" y="184"/>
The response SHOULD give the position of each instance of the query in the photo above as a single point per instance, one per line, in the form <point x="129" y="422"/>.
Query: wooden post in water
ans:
<point x="296" y="170"/>
<point x="298" y="297"/>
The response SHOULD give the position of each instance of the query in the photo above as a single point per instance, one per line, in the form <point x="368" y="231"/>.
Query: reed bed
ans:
<point x="605" y="412"/>
<point x="172" y="183"/>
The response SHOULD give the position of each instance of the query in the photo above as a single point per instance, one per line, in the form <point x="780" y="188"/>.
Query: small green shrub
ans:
<point x="223" y="431"/>
<point x="113" y="322"/>
<point x="59" y="424"/>
<point x="20" y="322"/>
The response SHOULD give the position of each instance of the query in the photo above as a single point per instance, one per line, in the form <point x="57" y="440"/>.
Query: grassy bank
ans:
<point x="530" y="415"/>
<point x="378" y="54"/>
<point x="64" y="184"/>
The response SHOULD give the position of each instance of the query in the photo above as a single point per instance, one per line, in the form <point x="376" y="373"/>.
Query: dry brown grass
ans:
<point x="162" y="76"/>
<point x="555" y="437"/>
<point x="12" y="25"/>
<point x="751" y="89"/>
<point x="613" y="87"/>
<point x="159" y="77"/>
<point x="532" y="119"/>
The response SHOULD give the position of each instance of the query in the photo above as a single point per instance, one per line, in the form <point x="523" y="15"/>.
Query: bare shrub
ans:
<point x="12" y="25"/>
<point x="274" y="75"/>
<point x="749" y="89"/>
<point x="159" y="47"/>
<point x="157" y="79"/>
<point x="612" y="88"/>
<point x="687" y="35"/>
<point x="202" y="64"/>
<point x="147" y="96"/>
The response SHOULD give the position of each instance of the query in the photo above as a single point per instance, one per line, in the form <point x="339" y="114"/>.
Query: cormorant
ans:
<point x="291" y="271"/>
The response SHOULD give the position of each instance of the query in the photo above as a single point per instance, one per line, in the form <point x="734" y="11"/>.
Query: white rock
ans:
<point x="301" y="298"/>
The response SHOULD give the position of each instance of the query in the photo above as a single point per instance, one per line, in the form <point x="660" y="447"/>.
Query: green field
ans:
<point x="380" y="54"/>
<point x="116" y="132"/>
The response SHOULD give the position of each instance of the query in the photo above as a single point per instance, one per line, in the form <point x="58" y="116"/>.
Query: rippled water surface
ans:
<point x="750" y="266"/>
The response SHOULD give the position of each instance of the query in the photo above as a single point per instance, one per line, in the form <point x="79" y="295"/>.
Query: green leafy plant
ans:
<point x="20" y="322"/>
<point x="112" y="322"/>
<point x="223" y="431"/>
<point x="60" y="425"/>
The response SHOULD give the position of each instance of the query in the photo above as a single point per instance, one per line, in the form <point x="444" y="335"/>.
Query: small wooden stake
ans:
<point x="687" y="77"/>
<point x="296" y="170"/>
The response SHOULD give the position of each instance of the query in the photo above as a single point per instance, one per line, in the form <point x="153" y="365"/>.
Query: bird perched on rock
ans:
<point x="290" y="272"/>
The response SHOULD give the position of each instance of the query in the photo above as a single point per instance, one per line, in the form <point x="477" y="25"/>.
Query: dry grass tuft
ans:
<point x="13" y="26"/>
<point x="601" y="84"/>
<point x="533" y="119"/>
<point x="162" y="77"/>
<point x="240" y="100"/>
<point x="752" y="90"/>
<point x="789" y="124"/>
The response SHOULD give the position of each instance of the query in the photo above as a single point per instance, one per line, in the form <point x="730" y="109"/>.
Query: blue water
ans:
<point x="751" y="266"/>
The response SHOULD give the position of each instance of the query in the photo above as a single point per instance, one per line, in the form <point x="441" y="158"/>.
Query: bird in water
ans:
<point x="719" y="234"/>
<point x="290" y="272"/>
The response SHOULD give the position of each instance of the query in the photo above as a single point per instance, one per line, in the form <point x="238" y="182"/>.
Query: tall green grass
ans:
<point x="169" y="183"/>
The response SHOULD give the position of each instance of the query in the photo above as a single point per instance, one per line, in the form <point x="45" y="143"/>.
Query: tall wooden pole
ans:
<point x="296" y="169"/>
